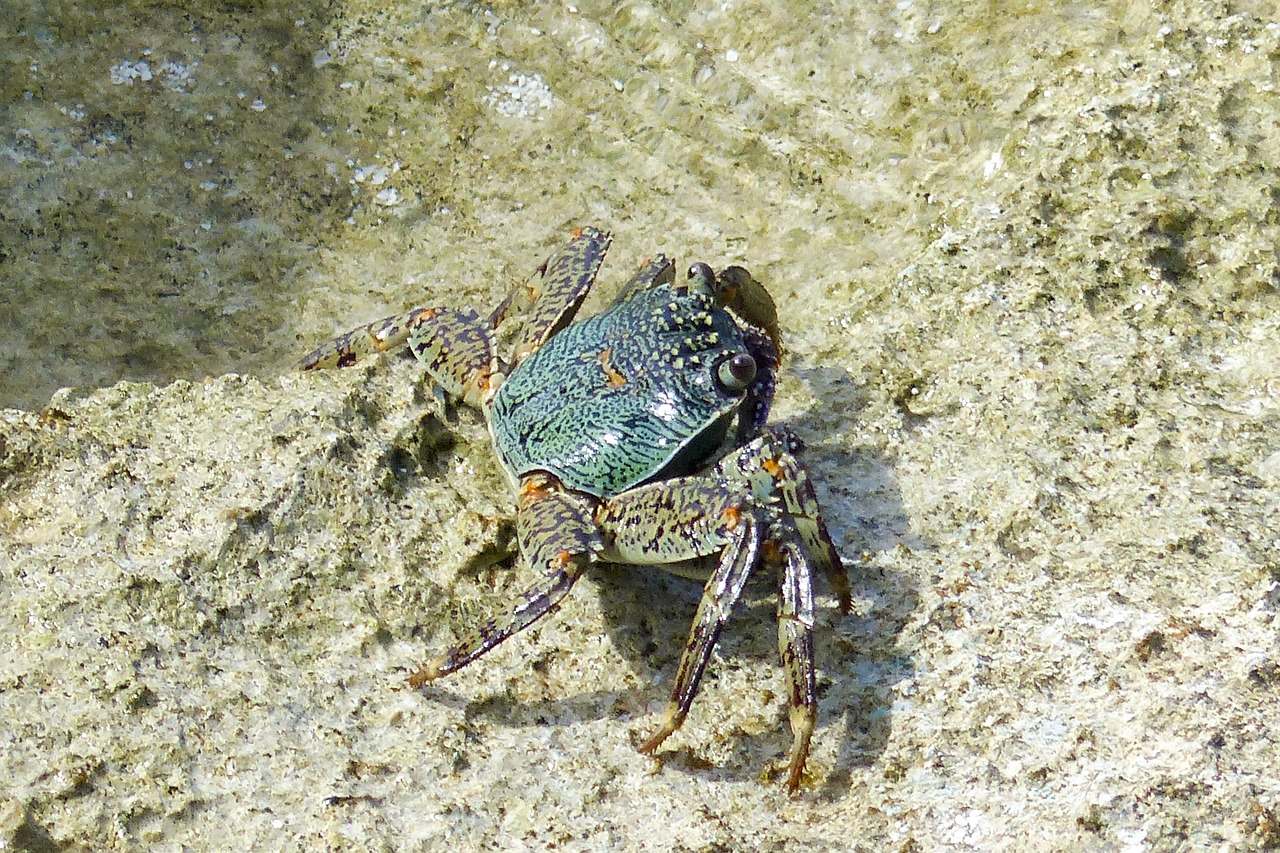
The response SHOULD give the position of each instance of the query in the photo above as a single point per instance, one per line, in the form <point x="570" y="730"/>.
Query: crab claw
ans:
<point x="746" y="297"/>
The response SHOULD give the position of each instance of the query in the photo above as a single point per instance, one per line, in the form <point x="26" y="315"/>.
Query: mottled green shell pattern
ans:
<point x="617" y="399"/>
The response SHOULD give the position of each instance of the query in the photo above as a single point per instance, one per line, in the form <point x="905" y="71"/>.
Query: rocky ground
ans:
<point x="1025" y="260"/>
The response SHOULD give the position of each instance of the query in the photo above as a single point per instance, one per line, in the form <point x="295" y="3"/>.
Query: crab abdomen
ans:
<point x="617" y="399"/>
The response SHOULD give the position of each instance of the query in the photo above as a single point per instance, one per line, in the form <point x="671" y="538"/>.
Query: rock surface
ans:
<point x="1025" y="261"/>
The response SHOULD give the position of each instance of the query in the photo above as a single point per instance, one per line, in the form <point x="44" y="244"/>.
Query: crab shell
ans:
<point x="644" y="390"/>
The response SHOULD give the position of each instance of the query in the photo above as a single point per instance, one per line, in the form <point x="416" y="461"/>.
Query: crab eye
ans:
<point x="736" y="371"/>
<point x="701" y="277"/>
<point x="702" y="271"/>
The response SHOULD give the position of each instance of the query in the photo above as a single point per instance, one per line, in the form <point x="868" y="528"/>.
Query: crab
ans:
<point x="608" y="428"/>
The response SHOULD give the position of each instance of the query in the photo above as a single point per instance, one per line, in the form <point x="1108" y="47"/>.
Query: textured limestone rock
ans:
<point x="1025" y="263"/>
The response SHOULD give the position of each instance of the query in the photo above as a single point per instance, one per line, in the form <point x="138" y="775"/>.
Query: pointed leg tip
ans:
<point x="803" y="718"/>
<point x="671" y="721"/>
<point x="795" y="772"/>
<point x="430" y="671"/>
<point x="651" y="744"/>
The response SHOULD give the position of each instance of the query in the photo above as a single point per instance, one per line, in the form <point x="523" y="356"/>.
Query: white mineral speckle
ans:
<point x="522" y="96"/>
<point x="130" y="71"/>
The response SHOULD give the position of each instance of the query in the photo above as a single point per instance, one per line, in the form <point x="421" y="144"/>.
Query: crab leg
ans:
<point x="724" y="587"/>
<point x="795" y="649"/>
<point x="677" y="522"/>
<point x="550" y="298"/>
<point x="456" y="348"/>
<point x="653" y="272"/>
<point x="460" y="350"/>
<point x="756" y="505"/>
<point x="559" y="539"/>
<point x="378" y="336"/>
<point x="770" y="466"/>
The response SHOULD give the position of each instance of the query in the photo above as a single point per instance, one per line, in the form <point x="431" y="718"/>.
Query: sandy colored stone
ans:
<point x="1025" y="261"/>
